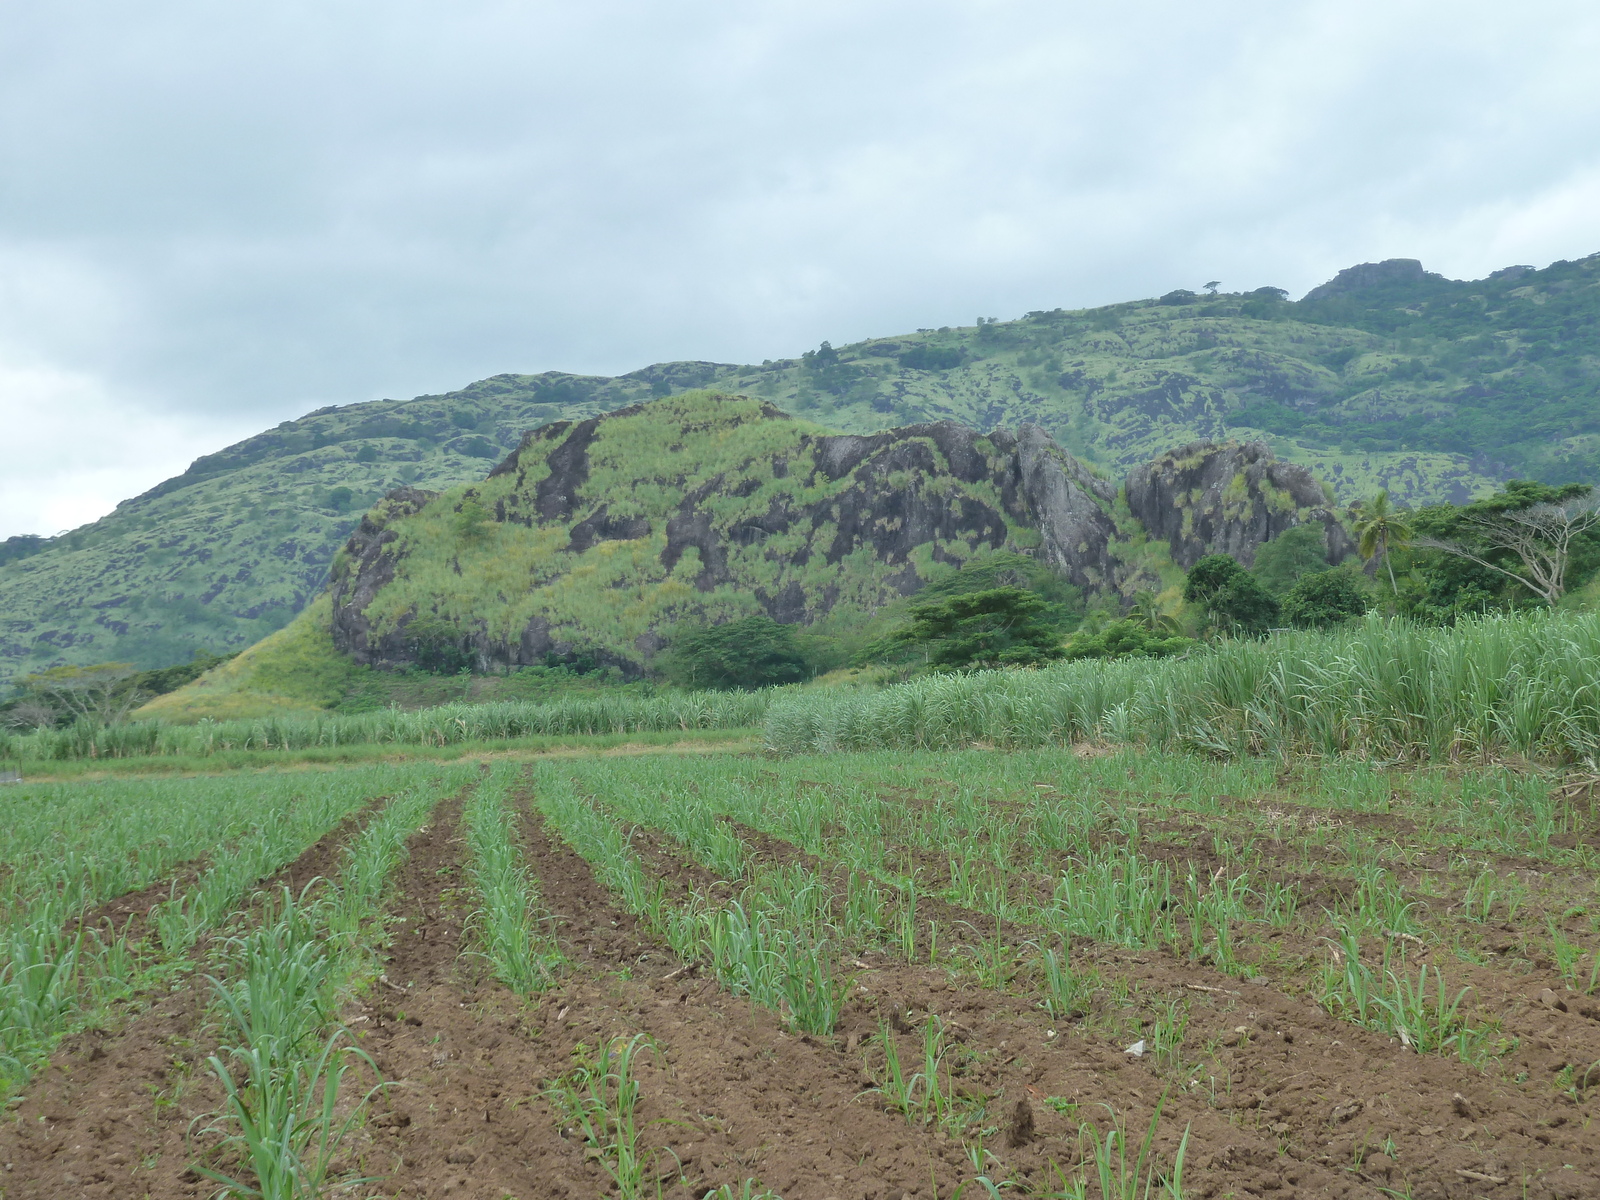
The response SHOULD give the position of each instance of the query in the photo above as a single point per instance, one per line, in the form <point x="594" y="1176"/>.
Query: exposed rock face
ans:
<point x="846" y="525"/>
<point x="1370" y="275"/>
<point x="607" y="531"/>
<point x="367" y="565"/>
<point x="1068" y="505"/>
<point x="1228" y="498"/>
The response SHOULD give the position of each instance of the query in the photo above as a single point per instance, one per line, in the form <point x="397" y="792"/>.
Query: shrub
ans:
<point x="1231" y="596"/>
<point x="751" y="652"/>
<point x="437" y="646"/>
<point x="1126" y="639"/>
<point x="1323" y="600"/>
<point x="931" y="358"/>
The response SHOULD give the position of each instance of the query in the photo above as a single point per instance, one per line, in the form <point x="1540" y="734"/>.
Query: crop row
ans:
<point x="786" y="936"/>
<point x="507" y="921"/>
<point x="54" y="975"/>
<point x="445" y="725"/>
<point x="1051" y="864"/>
<point x="283" y="1060"/>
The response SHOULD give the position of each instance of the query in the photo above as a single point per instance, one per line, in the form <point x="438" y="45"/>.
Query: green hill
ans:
<point x="1388" y="376"/>
<point x="595" y="538"/>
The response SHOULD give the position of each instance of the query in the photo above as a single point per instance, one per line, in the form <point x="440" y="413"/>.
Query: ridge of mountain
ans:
<point x="1387" y="376"/>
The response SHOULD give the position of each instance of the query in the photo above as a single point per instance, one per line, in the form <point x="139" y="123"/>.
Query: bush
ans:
<point x="1231" y="596"/>
<point x="931" y="358"/>
<point x="752" y="652"/>
<point x="437" y="646"/>
<point x="1324" y="600"/>
<point x="1126" y="639"/>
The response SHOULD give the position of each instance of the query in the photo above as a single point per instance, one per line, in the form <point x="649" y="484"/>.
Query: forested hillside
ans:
<point x="1388" y="376"/>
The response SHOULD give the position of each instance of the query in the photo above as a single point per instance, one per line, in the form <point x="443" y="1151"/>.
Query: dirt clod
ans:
<point x="1021" y="1124"/>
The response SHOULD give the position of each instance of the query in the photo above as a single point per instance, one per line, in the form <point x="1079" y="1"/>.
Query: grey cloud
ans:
<point x="234" y="212"/>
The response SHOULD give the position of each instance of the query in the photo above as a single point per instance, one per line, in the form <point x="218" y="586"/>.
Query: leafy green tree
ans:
<point x="1230" y="595"/>
<point x="751" y="652"/>
<point x="1529" y="533"/>
<point x="1126" y="638"/>
<point x="1003" y="568"/>
<point x="339" y="498"/>
<point x="819" y="359"/>
<point x="103" y="694"/>
<point x="1323" y="600"/>
<point x="1296" y="552"/>
<point x="1380" y="530"/>
<point x="999" y="627"/>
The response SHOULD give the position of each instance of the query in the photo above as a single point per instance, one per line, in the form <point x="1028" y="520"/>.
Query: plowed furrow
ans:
<point x="110" y="1115"/>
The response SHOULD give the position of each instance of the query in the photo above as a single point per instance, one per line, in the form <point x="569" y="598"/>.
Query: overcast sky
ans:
<point x="214" y="217"/>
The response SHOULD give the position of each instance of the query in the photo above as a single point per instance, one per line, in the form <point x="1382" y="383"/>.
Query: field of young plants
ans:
<point x="1054" y="972"/>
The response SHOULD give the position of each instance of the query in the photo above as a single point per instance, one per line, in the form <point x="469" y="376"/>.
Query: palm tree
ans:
<point x="1146" y="613"/>
<point x="1380" y="530"/>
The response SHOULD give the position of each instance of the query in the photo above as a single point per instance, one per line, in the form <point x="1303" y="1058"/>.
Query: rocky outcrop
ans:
<point x="736" y="507"/>
<point x="1364" y="276"/>
<point x="823" y="521"/>
<point x="1228" y="498"/>
<point x="365" y="566"/>
<point x="1068" y="505"/>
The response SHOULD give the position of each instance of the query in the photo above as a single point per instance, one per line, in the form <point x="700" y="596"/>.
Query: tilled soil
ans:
<point x="1295" y="1103"/>
<point x="111" y="1115"/>
<point x="1320" y="1095"/>
<point x="732" y="1095"/>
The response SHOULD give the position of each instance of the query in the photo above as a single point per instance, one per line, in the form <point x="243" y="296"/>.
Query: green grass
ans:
<point x="505" y="723"/>
<point x="1507" y="685"/>
<point x="342" y="757"/>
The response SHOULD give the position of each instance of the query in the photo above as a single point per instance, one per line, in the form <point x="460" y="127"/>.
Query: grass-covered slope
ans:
<point x="293" y="670"/>
<point x="1387" y="377"/>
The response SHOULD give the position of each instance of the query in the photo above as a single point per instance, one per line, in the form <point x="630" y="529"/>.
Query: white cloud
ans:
<point x="233" y="215"/>
<point x="72" y="451"/>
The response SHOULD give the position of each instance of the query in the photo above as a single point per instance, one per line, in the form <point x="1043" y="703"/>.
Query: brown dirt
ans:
<point x="1316" y="1090"/>
<point x="110" y="1115"/>
<point x="1297" y="1104"/>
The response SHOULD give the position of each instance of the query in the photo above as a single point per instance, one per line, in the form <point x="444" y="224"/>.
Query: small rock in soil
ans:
<point x="1549" y="999"/>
